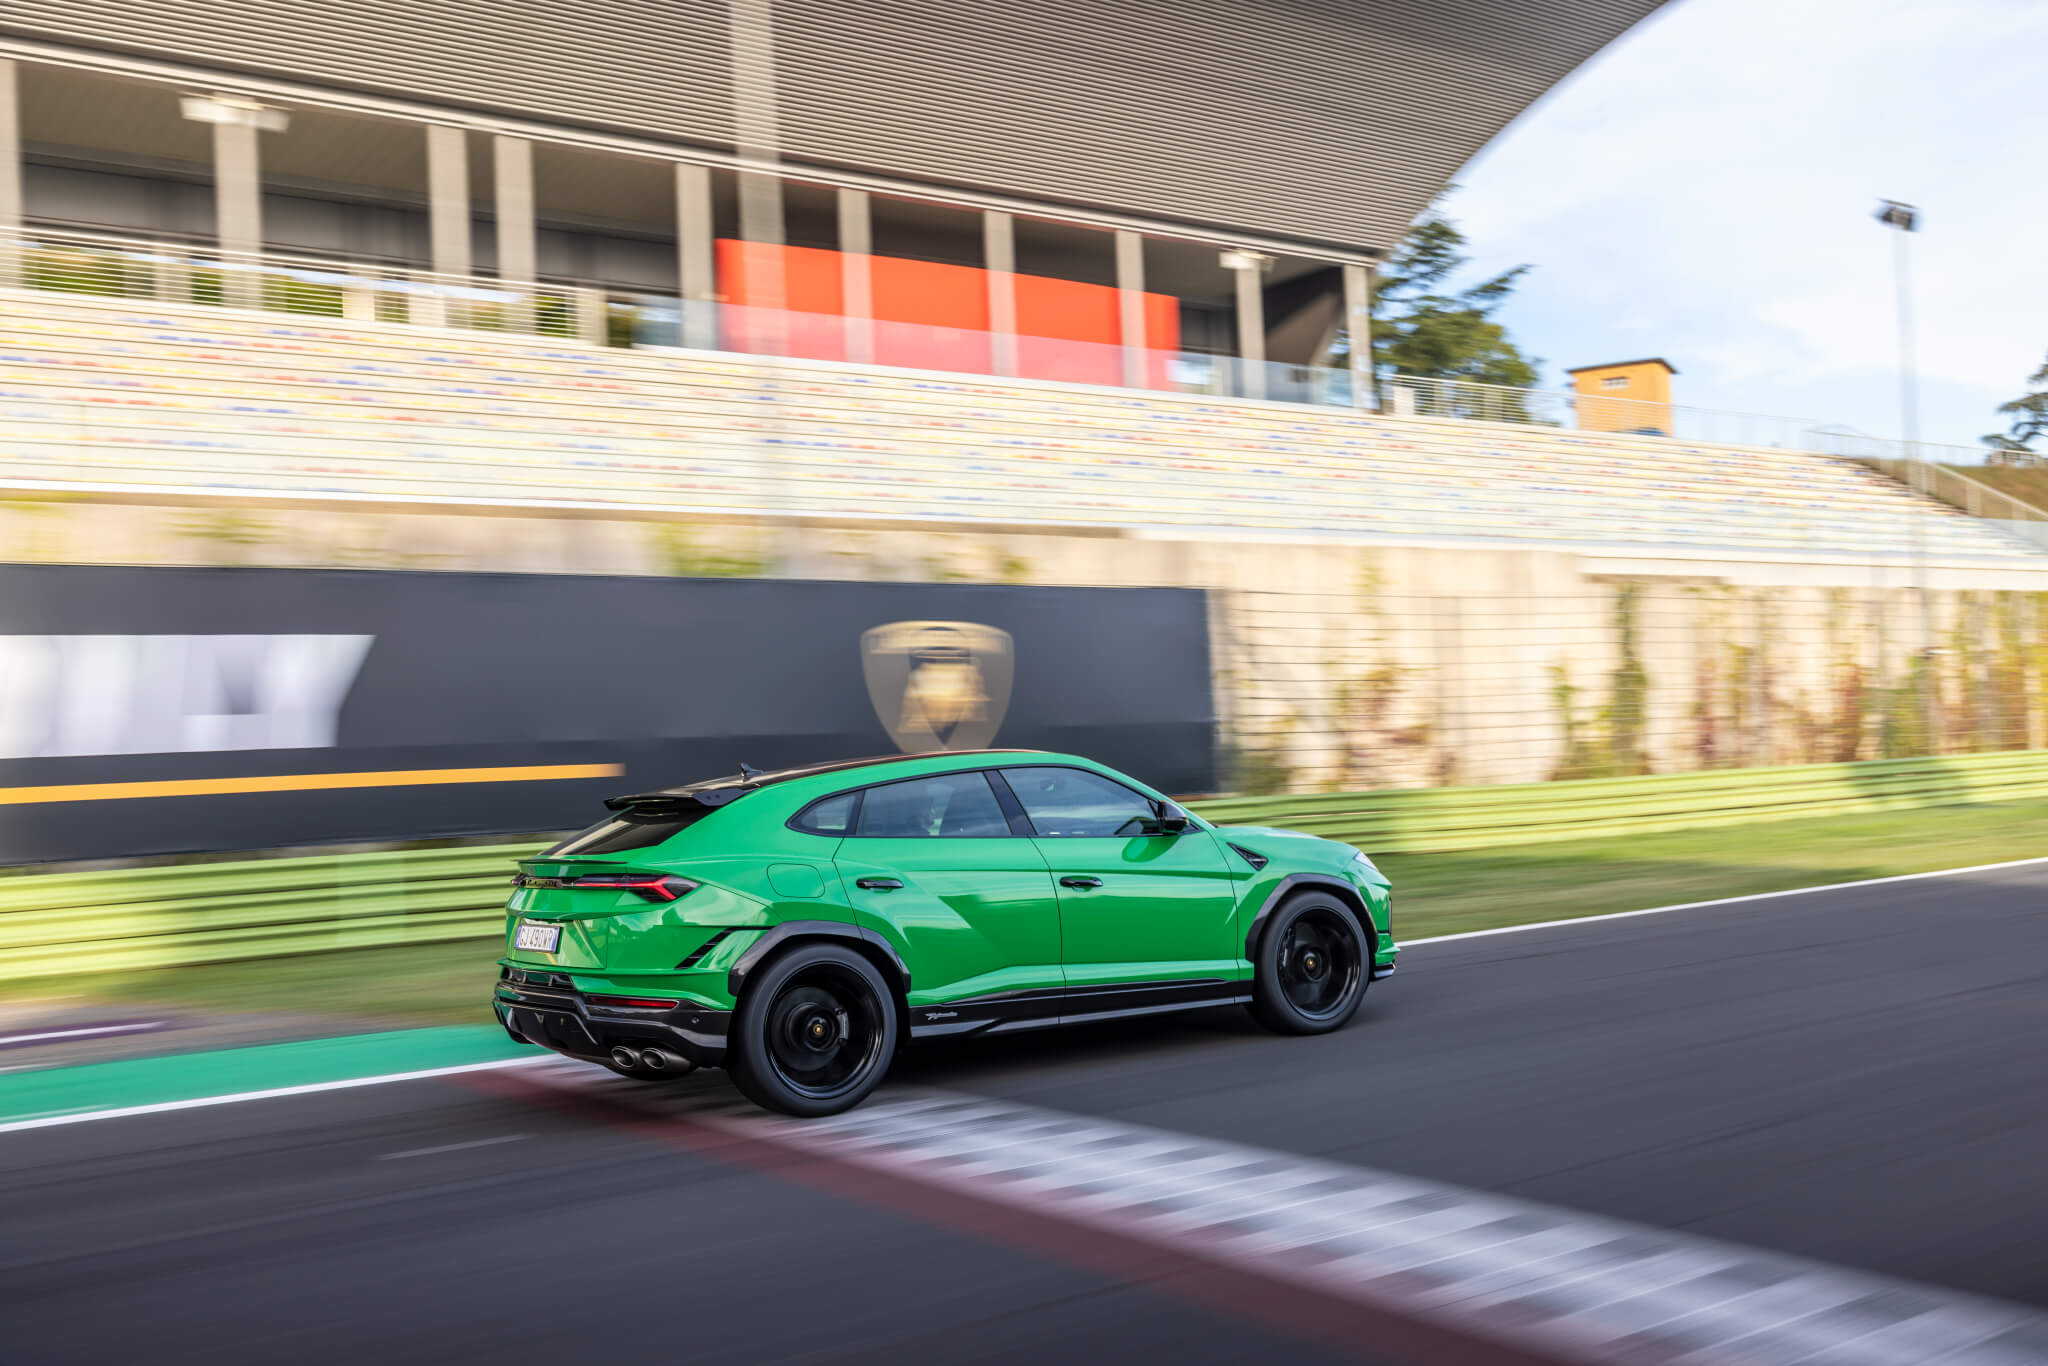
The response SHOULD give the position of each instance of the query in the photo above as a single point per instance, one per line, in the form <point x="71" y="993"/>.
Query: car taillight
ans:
<point x="637" y="1002"/>
<point x="648" y="887"/>
<point x="657" y="887"/>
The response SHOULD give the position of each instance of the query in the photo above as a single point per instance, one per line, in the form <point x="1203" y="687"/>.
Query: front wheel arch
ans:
<point x="1322" y="882"/>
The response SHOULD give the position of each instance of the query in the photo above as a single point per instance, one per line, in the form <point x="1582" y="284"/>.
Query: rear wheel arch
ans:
<point x="1306" y="882"/>
<point x="790" y="934"/>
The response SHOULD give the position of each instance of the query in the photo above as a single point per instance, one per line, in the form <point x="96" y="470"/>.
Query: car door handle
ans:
<point x="879" y="884"/>
<point x="1079" y="882"/>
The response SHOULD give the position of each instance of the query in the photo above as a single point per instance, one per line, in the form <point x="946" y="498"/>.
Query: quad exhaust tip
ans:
<point x="623" y="1056"/>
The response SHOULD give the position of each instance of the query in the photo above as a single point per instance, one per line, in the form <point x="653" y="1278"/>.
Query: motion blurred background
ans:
<point x="418" y="423"/>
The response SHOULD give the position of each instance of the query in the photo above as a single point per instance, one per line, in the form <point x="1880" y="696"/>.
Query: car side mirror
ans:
<point x="1170" y="820"/>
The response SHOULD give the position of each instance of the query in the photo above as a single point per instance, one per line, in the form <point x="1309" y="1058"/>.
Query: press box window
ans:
<point x="828" y="815"/>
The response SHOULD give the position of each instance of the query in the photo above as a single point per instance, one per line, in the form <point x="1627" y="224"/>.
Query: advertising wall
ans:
<point x="151" y="711"/>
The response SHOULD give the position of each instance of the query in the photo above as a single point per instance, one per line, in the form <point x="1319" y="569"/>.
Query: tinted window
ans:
<point x="957" y="804"/>
<point x="828" y="815"/>
<point x="630" y="830"/>
<point x="1071" y="801"/>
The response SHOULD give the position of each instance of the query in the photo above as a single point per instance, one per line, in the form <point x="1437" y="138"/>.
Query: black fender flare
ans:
<point x="1295" y="882"/>
<point x="768" y="944"/>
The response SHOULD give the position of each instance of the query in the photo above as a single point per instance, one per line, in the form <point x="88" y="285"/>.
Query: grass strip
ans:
<point x="1434" y="894"/>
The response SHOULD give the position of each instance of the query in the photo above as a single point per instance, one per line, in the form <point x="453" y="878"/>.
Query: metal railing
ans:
<point x="185" y="273"/>
<point x="1419" y="396"/>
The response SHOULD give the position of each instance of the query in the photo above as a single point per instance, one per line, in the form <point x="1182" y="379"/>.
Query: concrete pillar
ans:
<point x="696" y="273"/>
<point x="518" y="249"/>
<point x="10" y="175"/>
<point x="1130" y="297"/>
<point x="999" y="260"/>
<point x="1251" y="328"/>
<point x="856" y="274"/>
<point x="1358" y="330"/>
<point x="757" y="125"/>
<point x="238" y="211"/>
<point x="448" y="227"/>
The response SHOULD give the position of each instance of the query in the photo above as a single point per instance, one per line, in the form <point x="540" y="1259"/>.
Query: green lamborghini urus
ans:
<point x="796" y="928"/>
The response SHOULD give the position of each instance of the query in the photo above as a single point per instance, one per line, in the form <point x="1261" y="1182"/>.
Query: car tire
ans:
<point x="1313" y="966"/>
<point x="814" y="1033"/>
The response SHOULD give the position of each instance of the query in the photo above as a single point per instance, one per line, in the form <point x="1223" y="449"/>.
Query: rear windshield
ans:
<point x="631" y="830"/>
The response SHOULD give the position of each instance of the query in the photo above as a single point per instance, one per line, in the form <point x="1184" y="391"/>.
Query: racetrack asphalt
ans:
<point x="1852" y="1076"/>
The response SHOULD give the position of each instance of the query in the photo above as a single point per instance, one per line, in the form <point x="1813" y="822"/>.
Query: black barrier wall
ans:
<point x="137" y="705"/>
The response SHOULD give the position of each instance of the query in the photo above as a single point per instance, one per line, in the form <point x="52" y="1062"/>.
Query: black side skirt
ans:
<point x="1011" y="1011"/>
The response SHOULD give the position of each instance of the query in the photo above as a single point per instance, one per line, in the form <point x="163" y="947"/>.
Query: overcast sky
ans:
<point x="1703" y="191"/>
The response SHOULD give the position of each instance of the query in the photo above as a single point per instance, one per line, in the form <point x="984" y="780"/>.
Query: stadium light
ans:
<point x="234" y="109"/>
<point x="1905" y="219"/>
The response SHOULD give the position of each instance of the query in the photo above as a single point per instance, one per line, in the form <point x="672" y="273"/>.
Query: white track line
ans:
<point x="1722" y="901"/>
<point x="83" y="1116"/>
<point x="450" y="1147"/>
<point x="6" y="1039"/>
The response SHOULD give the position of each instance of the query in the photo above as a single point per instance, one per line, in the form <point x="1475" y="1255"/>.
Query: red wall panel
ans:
<point x="931" y="316"/>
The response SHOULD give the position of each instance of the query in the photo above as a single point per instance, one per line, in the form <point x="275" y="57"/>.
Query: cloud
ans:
<point x="1706" y="187"/>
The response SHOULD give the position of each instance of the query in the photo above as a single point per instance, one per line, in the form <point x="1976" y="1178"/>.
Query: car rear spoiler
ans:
<point x="654" y="803"/>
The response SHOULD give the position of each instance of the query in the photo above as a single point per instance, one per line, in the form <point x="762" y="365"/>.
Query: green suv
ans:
<point x="797" y="927"/>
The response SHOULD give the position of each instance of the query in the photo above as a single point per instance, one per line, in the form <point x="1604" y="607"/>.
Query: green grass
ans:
<point x="1433" y="894"/>
<point x="1481" y="889"/>
<point x="2029" y="484"/>
<point x="415" y="984"/>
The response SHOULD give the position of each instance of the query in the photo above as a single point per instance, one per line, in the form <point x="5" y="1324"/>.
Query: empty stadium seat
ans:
<point x="142" y="397"/>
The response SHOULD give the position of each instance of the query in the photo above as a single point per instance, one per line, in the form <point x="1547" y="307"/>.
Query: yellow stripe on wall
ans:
<point x="303" y="782"/>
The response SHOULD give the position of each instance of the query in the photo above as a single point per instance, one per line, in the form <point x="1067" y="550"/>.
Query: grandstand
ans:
<point x="115" y="399"/>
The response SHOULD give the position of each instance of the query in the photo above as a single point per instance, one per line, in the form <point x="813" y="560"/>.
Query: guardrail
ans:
<point x="1449" y="819"/>
<point x="135" y="919"/>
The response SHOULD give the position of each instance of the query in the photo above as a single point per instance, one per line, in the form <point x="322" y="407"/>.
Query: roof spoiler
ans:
<point x="656" y="801"/>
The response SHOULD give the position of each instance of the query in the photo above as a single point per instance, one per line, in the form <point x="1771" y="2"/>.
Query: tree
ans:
<point x="1421" y="328"/>
<point x="2029" y="414"/>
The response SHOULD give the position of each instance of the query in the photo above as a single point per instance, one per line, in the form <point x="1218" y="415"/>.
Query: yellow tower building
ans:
<point x="1627" y="396"/>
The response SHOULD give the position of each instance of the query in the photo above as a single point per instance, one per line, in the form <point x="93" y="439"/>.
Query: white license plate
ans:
<point x="531" y="934"/>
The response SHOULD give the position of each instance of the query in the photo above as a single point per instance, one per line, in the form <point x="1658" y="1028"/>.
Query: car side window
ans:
<point x="1073" y="801"/>
<point x="828" y="815"/>
<point x="958" y="805"/>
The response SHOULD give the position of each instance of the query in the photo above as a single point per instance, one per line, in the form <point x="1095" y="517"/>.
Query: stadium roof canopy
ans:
<point x="1320" y="124"/>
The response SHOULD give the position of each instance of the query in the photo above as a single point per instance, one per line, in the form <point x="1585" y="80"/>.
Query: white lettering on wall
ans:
<point x="74" y="695"/>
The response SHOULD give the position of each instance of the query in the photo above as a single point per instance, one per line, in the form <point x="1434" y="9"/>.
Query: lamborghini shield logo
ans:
<point x="938" y="684"/>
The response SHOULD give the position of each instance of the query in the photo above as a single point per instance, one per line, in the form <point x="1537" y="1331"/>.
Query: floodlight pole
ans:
<point x="1904" y="219"/>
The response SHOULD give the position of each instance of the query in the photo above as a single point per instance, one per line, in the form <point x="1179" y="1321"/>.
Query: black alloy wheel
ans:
<point x="1313" y="966"/>
<point x="814" y="1033"/>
